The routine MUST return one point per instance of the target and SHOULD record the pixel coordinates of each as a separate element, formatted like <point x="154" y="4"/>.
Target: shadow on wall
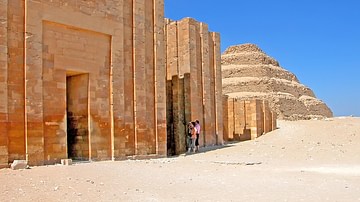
<point x="177" y="114"/>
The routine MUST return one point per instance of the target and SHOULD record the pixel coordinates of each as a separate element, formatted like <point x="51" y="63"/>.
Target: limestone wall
<point x="119" y="46"/>
<point x="193" y="82"/>
<point x="247" y="119"/>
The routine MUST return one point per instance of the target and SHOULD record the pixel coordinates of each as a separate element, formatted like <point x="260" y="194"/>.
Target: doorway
<point x="77" y="105"/>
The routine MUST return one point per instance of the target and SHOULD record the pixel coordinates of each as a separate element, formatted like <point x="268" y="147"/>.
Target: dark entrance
<point x="77" y="107"/>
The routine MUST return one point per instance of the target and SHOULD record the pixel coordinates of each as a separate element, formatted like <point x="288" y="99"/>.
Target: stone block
<point x="4" y="156"/>
<point x="66" y="162"/>
<point x="18" y="164"/>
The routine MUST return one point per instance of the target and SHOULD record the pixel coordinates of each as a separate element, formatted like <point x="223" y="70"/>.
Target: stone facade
<point x="85" y="81"/>
<point x="194" y="89"/>
<point x="247" y="119"/>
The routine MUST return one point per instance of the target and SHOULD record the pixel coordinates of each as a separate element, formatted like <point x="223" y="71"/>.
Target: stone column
<point x="123" y="84"/>
<point x="231" y="119"/>
<point x="254" y="117"/>
<point x="184" y="61"/>
<point x="144" y="77"/>
<point x="160" y="77"/>
<point x="260" y="117"/>
<point x="208" y="122"/>
<point x="139" y="74"/>
<point x="226" y="118"/>
<point x="118" y="79"/>
<point x="171" y="72"/>
<point x="267" y="117"/>
<point x="218" y="87"/>
<point x="128" y="135"/>
<point x="150" y="76"/>
<point x="211" y="137"/>
<point x="3" y="83"/>
<point x="274" y="121"/>
<point x="238" y="119"/>
<point x="178" y="98"/>
<point x="16" y="89"/>
<point x="34" y="85"/>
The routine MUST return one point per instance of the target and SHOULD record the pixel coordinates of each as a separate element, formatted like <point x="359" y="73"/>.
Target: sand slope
<point x="315" y="160"/>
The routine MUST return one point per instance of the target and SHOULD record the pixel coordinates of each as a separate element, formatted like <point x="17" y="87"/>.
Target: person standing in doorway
<point x="198" y="128"/>
<point x="189" y="134"/>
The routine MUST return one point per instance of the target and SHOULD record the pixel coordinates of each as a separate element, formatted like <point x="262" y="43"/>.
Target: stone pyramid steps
<point x="249" y="73"/>
<point x="231" y="71"/>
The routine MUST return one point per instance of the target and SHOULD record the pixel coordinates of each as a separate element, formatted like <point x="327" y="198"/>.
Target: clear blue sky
<point x="317" y="40"/>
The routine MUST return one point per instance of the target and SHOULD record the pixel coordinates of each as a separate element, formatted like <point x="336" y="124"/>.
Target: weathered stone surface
<point x="18" y="164"/>
<point x="248" y="73"/>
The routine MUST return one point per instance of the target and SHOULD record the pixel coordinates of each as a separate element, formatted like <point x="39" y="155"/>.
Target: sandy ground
<point x="316" y="160"/>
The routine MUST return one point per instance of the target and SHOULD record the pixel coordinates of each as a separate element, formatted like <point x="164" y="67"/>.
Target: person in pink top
<point x="198" y="128"/>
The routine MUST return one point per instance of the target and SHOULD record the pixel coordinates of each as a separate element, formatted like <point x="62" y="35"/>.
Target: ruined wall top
<point x="246" y="54"/>
<point x="248" y="47"/>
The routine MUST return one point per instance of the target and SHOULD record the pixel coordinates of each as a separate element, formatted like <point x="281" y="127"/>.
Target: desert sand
<point x="313" y="160"/>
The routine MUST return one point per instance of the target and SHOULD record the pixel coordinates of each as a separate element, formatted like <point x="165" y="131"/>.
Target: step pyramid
<point x="249" y="73"/>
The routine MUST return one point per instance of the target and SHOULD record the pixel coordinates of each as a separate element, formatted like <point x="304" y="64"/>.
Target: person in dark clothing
<point x="188" y="138"/>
